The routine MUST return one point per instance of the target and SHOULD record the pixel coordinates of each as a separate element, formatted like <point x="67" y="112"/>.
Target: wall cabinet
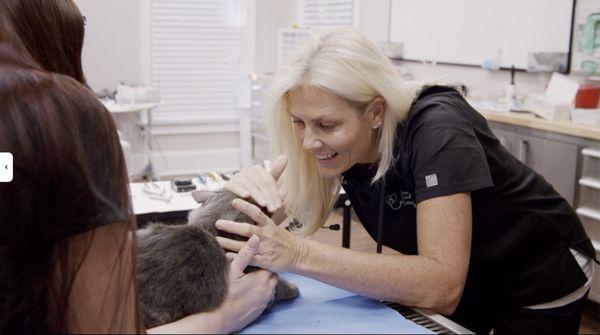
<point x="571" y="164"/>
<point x="555" y="160"/>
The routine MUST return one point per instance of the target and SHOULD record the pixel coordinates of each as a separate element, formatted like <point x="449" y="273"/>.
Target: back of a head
<point x="69" y="178"/>
<point x="52" y="31"/>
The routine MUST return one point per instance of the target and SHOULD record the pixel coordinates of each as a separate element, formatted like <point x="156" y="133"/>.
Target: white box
<point x="548" y="109"/>
<point x="588" y="117"/>
<point x="556" y="102"/>
<point x="6" y="167"/>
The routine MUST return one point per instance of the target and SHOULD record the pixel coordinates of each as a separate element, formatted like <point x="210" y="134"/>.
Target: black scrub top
<point x="522" y="228"/>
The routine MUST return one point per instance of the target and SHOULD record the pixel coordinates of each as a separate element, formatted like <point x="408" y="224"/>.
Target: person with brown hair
<point x="65" y="249"/>
<point x="52" y="31"/>
<point x="67" y="231"/>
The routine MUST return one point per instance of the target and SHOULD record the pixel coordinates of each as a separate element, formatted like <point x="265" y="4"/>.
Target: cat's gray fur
<point x="182" y="270"/>
<point x="217" y="205"/>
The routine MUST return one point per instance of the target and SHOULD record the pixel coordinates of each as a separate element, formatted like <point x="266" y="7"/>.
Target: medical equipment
<point x="214" y="176"/>
<point x="511" y="89"/>
<point x="156" y="192"/>
<point x="183" y="185"/>
<point x="547" y="61"/>
<point x="128" y="93"/>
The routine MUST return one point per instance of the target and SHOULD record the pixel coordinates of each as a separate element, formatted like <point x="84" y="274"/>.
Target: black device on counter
<point x="183" y="185"/>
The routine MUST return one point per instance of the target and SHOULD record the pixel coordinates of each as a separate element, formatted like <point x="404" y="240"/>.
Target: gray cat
<point x="182" y="270"/>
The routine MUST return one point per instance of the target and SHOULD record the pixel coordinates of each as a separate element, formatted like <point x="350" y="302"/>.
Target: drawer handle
<point x="590" y="182"/>
<point x="591" y="152"/>
<point x="589" y="213"/>
<point x="523" y="151"/>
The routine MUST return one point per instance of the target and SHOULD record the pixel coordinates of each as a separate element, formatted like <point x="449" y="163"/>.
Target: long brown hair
<point x="69" y="179"/>
<point x="52" y="31"/>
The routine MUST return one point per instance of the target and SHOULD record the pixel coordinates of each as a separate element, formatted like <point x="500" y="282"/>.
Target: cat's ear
<point x="202" y="196"/>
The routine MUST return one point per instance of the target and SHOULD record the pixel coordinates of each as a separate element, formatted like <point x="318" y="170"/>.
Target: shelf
<point x="589" y="213"/>
<point x="591" y="152"/>
<point x="590" y="182"/>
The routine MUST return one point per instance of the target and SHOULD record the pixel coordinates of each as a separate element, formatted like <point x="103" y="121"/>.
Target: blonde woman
<point x="482" y="238"/>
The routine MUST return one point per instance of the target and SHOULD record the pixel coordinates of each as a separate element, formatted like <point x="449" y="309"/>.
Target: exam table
<point x="325" y="309"/>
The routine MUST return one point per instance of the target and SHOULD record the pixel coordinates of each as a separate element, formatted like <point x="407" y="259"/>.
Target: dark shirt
<point x="522" y="228"/>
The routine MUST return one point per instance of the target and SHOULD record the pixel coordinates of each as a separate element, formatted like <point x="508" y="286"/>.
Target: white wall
<point x="480" y="83"/>
<point x="116" y="48"/>
<point x="373" y="19"/>
<point x="374" y="22"/>
<point x="271" y="15"/>
<point x="111" y="50"/>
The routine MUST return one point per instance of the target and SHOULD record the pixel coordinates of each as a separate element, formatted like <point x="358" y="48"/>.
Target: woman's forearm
<point x="417" y="281"/>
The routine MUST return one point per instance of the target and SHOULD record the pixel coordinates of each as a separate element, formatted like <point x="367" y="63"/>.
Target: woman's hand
<point x="256" y="183"/>
<point x="249" y="293"/>
<point x="278" y="251"/>
<point x="247" y="297"/>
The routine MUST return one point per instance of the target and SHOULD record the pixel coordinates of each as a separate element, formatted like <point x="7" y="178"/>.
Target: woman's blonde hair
<point x="344" y="62"/>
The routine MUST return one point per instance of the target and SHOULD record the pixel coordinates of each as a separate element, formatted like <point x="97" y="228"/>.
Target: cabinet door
<point x="507" y="139"/>
<point x="555" y="161"/>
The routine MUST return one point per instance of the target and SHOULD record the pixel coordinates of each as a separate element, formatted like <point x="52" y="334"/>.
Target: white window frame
<point x="327" y="23"/>
<point x="248" y="58"/>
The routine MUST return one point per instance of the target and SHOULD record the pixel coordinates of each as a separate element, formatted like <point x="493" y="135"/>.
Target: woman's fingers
<point x="238" y="228"/>
<point x="243" y="258"/>
<point x="256" y="183"/>
<point x="248" y="183"/>
<point x="269" y="187"/>
<point x="230" y="256"/>
<point x="274" y="278"/>
<point x="277" y="166"/>
<point x="229" y="244"/>
<point x="237" y="189"/>
<point x="252" y="211"/>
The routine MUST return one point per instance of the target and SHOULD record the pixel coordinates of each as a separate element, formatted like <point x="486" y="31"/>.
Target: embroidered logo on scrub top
<point x="397" y="201"/>
<point x="431" y="180"/>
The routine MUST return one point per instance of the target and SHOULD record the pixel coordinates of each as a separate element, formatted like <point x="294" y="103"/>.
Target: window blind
<point x="315" y="15"/>
<point x="289" y="40"/>
<point x="318" y="14"/>
<point x="196" y="56"/>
